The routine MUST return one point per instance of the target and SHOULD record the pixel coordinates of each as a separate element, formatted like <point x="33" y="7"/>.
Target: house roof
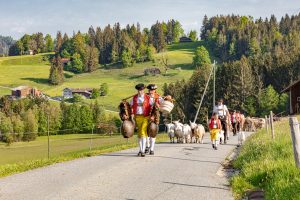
<point x="20" y="88"/>
<point x="87" y="90"/>
<point x="65" y="60"/>
<point x="291" y="85"/>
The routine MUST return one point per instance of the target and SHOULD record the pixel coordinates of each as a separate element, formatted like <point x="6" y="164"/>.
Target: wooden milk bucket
<point x="166" y="107"/>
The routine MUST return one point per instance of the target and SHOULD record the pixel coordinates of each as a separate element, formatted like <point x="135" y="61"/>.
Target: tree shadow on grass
<point x="66" y="75"/>
<point x="136" y="76"/>
<point x="37" y="80"/>
<point x="183" y="66"/>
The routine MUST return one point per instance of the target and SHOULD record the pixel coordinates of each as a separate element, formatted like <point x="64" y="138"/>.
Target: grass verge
<point x="9" y="169"/>
<point x="268" y="164"/>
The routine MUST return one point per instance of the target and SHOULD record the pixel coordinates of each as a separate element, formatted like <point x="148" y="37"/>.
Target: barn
<point x="294" y="92"/>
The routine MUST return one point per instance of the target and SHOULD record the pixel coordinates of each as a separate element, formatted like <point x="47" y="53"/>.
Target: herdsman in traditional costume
<point x="141" y="108"/>
<point x="155" y="100"/>
<point x="223" y="115"/>
<point x="215" y="128"/>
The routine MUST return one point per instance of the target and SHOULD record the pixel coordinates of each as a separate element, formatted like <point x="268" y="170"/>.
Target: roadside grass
<point x="13" y="168"/>
<point x="268" y="165"/>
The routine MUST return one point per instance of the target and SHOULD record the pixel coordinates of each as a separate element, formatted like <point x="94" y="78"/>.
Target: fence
<point x="54" y="144"/>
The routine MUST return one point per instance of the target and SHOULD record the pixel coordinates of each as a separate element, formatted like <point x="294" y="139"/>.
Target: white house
<point x="85" y="92"/>
<point x="67" y="93"/>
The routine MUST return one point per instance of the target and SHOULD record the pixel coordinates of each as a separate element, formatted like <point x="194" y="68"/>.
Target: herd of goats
<point x="194" y="133"/>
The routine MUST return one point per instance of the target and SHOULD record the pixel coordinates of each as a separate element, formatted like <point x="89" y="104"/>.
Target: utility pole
<point x="210" y="74"/>
<point x="214" y="94"/>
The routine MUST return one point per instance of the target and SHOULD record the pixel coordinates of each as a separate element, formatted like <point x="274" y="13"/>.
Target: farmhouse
<point x="24" y="91"/>
<point x="294" y="92"/>
<point x="69" y="92"/>
<point x="152" y="71"/>
<point x="185" y="39"/>
<point x="65" y="61"/>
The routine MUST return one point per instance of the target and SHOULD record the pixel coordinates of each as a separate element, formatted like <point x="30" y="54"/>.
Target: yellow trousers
<point x="142" y="125"/>
<point x="214" y="134"/>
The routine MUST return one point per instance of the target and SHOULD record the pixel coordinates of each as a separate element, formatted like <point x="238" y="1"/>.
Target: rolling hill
<point x="34" y="71"/>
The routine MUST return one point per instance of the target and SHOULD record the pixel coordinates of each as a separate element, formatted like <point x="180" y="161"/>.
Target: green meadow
<point x="23" y="156"/>
<point x="34" y="71"/>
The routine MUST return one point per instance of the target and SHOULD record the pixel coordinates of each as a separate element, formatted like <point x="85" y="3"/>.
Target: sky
<point x="49" y="16"/>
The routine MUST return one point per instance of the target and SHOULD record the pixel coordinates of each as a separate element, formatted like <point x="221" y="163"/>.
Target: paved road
<point x="176" y="171"/>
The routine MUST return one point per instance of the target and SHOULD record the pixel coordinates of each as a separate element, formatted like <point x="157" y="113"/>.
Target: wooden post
<point x="272" y="125"/>
<point x="267" y="123"/>
<point x="48" y="136"/>
<point x="295" y="133"/>
<point x="91" y="138"/>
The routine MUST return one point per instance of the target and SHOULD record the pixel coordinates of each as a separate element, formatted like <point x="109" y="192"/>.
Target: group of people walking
<point x="220" y="122"/>
<point x="145" y="110"/>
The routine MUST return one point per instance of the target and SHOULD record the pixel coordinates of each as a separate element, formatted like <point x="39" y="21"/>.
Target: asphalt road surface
<point x="176" y="171"/>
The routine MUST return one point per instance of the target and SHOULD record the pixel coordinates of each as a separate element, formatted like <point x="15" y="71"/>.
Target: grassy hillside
<point x="268" y="165"/>
<point x="34" y="71"/>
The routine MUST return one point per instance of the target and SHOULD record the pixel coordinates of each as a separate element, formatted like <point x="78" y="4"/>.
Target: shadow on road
<point x="173" y="158"/>
<point x="201" y="186"/>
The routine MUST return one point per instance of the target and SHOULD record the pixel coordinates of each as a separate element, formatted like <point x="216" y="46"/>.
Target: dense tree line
<point x="36" y="43"/>
<point x="5" y="44"/>
<point x="111" y="45"/>
<point x="257" y="59"/>
<point x="25" y="119"/>
<point x="270" y="46"/>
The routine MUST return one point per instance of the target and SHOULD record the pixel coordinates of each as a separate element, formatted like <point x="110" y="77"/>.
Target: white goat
<point x="187" y="133"/>
<point x="221" y="136"/>
<point x="241" y="138"/>
<point x="171" y="132"/>
<point x="178" y="131"/>
<point x="198" y="132"/>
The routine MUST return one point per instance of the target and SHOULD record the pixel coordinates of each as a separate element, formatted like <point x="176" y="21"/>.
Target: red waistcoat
<point x="146" y="105"/>
<point x="211" y="124"/>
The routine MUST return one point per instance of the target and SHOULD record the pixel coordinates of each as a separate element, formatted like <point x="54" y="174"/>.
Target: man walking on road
<point x="223" y="114"/>
<point x="141" y="107"/>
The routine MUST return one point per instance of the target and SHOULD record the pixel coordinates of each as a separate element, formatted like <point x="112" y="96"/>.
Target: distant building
<point x="25" y="91"/>
<point x="152" y="71"/>
<point x="294" y="92"/>
<point x="69" y="92"/>
<point x="185" y="39"/>
<point x="65" y="61"/>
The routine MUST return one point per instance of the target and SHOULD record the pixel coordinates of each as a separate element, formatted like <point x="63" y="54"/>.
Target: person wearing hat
<point x="155" y="100"/>
<point x="223" y="114"/>
<point x="141" y="107"/>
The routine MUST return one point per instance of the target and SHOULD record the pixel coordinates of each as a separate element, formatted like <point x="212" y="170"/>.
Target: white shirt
<point x="140" y="101"/>
<point x="221" y="110"/>
<point x="152" y="100"/>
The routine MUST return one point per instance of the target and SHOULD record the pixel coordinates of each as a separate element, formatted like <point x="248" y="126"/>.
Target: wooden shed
<point x="294" y="92"/>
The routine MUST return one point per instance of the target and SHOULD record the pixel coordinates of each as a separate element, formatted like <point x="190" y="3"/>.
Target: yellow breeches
<point x="214" y="134"/>
<point x="142" y="125"/>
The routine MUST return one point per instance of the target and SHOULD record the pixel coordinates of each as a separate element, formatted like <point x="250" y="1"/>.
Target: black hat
<point x="140" y="86"/>
<point x="151" y="87"/>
